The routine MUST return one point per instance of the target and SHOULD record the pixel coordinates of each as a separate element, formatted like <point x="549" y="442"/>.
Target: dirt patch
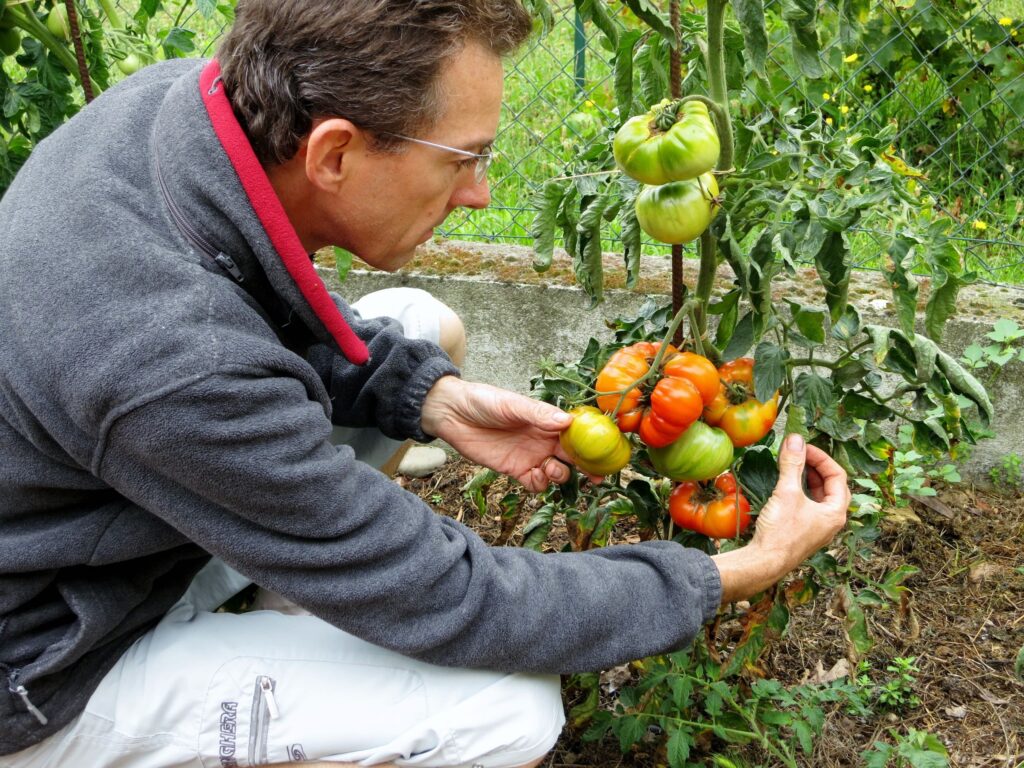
<point x="964" y="624"/>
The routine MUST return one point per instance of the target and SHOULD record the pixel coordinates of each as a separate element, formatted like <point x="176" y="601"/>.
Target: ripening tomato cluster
<point x="671" y="150"/>
<point x="691" y="416"/>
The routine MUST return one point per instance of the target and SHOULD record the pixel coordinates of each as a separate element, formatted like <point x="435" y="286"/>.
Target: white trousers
<point x="221" y="690"/>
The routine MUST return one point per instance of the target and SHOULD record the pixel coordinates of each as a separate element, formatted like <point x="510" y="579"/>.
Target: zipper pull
<point x="228" y="265"/>
<point x="267" y="685"/>
<point x="23" y="693"/>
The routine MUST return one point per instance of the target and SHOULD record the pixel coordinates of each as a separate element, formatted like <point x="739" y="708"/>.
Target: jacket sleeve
<point x="386" y="392"/>
<point x="240" y="463"/>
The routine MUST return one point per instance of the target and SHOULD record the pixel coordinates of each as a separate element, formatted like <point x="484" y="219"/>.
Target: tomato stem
<point x="655" y="366"/>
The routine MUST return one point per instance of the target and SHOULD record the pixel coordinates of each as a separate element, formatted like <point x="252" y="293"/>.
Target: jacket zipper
<point x="22" y="692"/>
<point x="224" y="261"/>
<point x="264" y="709"/>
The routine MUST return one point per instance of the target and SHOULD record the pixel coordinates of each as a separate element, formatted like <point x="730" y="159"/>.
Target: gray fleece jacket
<point x="170" y="367"/>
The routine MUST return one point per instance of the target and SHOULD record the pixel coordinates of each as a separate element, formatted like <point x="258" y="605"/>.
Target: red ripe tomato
<point x="717" y="509"/>
<point x="661" y="412"/>
<point x="735" y="409"/>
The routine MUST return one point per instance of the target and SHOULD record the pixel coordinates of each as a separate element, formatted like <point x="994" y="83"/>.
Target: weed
<point x="1008" y="474"/>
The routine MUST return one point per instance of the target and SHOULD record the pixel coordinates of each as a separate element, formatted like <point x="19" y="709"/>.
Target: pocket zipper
<point x="264" y="709"/>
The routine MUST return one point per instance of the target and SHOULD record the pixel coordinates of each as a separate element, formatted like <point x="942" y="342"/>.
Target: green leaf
<point x="810" y="322"/>
<point x="649" y="13"/>
<point x="630" y="730"/>
<point x="596" y="11"/>
<point x="947" y="278"/>
<point x="796" y="420"/>
<point x="741" y="340"/>
<point x="769" y="370"/>
<point x="964" y="382"/>
<point x="750" y="15"/>
<point x="588" y="262"/>
<point x="858" y="406"/>
<point x="757" y="473"/>
<point x="848" y="324"/>
<point x="833" y="262"/>
<point x="814" y="393"/>
<point x="632" y="240"/>
<point x="179" y="42"/>
<point x="1018" y="665"/>
<point x="546" y="204"/>
<point x="903" y="283"/>
<point x="342" y="263"/>
<point x="678" y="747"/>
<point x="207" y="8"/>
<point x="536" y="531"/>
<point x="801" y="15"/>
<point x="624" y="72"/>
<point x="540" y="10"/>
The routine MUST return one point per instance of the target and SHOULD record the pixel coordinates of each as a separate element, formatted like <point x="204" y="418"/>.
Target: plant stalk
<point x="26" y="19"/>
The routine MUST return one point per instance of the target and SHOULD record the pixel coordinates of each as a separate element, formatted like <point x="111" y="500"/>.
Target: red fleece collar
<point x="272" y="215"/>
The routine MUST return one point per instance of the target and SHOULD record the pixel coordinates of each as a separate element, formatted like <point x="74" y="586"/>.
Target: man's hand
<point x="792" y="526"/>
<point x="499" y="429"/>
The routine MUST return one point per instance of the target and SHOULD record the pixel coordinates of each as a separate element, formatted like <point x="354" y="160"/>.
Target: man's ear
<point x="332" y="148"/>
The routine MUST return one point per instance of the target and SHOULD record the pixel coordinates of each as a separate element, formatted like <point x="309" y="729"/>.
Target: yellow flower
<point x="828" y="121"/>
<point x="844" y="109"/>
<point x="1013" y="33"/>
<point x="869" y="88"/>
<point x="1005" y="21"/>
<point x="979" y="225"/>
<point x="588" y="103"/>
<point x="851" y="58"/>
<point x="826" y="96"/>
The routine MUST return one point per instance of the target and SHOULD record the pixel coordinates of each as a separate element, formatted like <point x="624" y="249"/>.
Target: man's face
<point x="394" y="201"/>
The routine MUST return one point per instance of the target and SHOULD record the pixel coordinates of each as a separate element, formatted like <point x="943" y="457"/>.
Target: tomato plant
<point x="674" y="141"/>
<point x="717" y="509"/>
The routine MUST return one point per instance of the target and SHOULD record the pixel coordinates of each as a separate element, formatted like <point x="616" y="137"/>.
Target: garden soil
<point x="963" y="623"/>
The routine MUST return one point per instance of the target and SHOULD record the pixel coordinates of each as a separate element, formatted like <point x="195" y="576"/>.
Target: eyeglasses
<point x="483" y="159"/>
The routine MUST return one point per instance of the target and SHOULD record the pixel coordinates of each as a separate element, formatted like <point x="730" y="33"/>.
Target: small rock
<point x="422" y="460"/>
<point x="959" y="712"/>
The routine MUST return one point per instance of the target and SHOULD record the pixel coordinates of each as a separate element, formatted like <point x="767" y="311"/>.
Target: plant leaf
<point x="769" y="370"/>
<point x="750" y="15"/>
<point x="545" y="204"/>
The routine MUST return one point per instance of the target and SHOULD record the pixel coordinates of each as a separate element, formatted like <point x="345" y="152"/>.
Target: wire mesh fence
<point x="952" y="81"/>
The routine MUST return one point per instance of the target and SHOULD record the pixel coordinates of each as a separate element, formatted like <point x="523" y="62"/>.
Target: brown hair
<point x="374" y="62"/>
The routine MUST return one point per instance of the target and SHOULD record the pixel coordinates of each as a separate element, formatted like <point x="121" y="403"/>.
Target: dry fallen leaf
<point x="983" y="572"/>
<point x="959" y="712"/>
<point x="838" y="671"/>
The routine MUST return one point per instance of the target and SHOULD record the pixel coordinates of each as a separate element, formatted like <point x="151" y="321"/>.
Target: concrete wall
<point x="515" y="318"/>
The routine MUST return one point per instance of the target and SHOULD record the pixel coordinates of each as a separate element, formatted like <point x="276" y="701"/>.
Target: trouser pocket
<point x="262" y="711"/>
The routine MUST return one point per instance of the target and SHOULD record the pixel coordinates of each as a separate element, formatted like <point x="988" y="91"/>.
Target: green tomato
<point x="6" y="19"/>
<point x="594" y="443"/>
<point x="670" y="143"/>
<point x="701" y="452"/>
<point x="58" y="24"/>
<point x="678" y="212"/>
<point x="130" y="64"/>
<point x="583" y="125"/>
<point x="10" y="42"/>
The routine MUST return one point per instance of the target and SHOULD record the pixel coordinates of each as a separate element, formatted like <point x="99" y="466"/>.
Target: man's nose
<point x="472" y="195"/>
